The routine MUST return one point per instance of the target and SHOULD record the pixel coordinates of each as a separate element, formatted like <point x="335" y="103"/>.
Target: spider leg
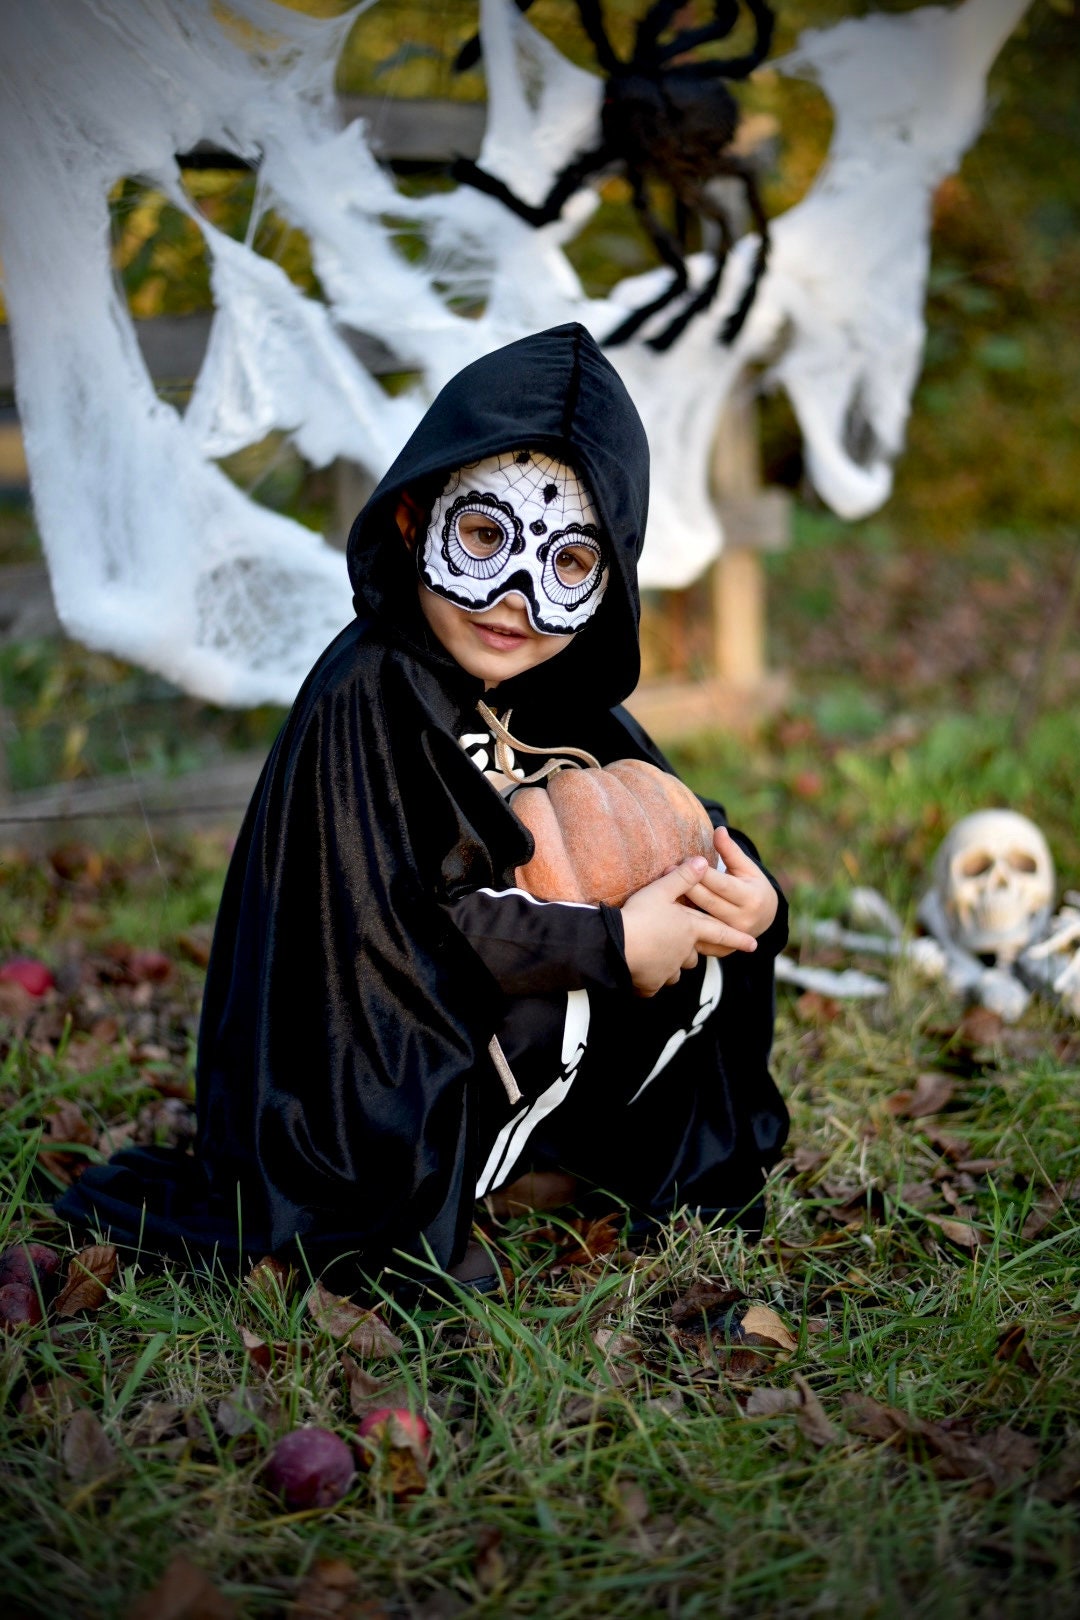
<point x="734" y="323"/>
<point x="668" y="248"/>
<point x="708" y="291"/>
<point x="570" y="180"/>
<point x="735" y="67"/>
<point x="592" y="20"/>
<point x="725" y="16"/>
<point x="652" y="25"/>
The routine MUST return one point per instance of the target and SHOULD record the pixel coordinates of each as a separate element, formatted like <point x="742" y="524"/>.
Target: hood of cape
<point x="552" y="391"/>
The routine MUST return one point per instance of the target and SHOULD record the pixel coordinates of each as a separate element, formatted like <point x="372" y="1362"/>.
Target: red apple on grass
<point x="22" y="1263"/>
<point x="19" y="1306"/>
<point x="34" y="977"/>
<point x="395" y="1444"/>
<point x="310" y="1468"/>
<point x="27" y="1271"/>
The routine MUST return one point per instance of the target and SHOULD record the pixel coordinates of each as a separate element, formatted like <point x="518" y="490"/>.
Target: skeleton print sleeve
<point x="533" y="947"/>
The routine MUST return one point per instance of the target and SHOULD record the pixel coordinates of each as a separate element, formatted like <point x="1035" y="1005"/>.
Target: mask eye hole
<point x="977" y="864"/>
<point x="1021" y="861"/>
<point x="573" y="564"/>
<point x="480" y="535"/>
<point x="572" y="567"/>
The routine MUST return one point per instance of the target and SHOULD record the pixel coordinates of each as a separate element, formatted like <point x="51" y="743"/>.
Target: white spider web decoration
<point x="154" y="554"/>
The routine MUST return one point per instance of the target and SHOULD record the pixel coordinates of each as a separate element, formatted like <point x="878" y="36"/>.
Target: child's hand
<point x="662" y="936"/>
<point x="742" y="896"/>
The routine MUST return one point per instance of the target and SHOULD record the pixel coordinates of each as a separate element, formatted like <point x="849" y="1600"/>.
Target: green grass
<point x="641" y="1488"/>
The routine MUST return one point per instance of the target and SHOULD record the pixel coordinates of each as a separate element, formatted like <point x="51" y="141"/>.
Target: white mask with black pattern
<point x="542" y="508"/>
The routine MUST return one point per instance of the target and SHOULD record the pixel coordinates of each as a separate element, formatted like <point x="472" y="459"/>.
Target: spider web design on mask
<point x="527" y="478"/>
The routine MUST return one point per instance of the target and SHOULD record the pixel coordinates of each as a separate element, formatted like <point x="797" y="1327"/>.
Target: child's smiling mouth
<point x="500" y="637"/>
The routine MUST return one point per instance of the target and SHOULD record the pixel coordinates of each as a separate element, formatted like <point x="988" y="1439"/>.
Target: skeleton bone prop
<point x="992" y="894"/>
<point x="993" y="888"/>
<point x="1052" y="965"/>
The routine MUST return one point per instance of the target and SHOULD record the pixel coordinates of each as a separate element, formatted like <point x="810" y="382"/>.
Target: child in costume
<point x="371" y="940"/>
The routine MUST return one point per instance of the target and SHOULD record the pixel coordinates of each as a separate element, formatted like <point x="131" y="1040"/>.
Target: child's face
<point x="565" y="579"/>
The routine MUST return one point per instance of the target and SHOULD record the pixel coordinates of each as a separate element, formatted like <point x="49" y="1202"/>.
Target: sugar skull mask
<point x="518" y="521"/>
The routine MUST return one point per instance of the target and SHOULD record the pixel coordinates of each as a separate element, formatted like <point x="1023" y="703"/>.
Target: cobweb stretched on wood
<point x="154" y="554"/>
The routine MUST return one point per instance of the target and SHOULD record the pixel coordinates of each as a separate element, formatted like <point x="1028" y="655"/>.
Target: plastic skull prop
<point x="995" y="878"/>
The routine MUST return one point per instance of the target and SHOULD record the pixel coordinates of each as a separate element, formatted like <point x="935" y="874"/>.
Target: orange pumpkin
<point x="602" y="833"/>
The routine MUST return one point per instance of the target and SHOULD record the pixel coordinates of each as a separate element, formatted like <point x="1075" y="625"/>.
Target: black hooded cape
<point x="345" y="1024"/>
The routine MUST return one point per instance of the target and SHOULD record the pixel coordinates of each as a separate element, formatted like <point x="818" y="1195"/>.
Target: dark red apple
<point x="23" y="1262"/>
<point x="310" y="1468"/>
<point x="19" y="1306"/>
<point x="34" y="977"/>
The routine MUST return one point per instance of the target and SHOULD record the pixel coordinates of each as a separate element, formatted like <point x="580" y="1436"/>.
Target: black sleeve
<point x="532" y="947"/>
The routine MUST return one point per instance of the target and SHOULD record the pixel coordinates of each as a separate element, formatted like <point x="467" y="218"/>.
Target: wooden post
<point x="739" y="689"/>
<point x="738" y="576"/>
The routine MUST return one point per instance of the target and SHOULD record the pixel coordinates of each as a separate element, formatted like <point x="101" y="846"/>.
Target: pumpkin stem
<point x="504" y="739"/>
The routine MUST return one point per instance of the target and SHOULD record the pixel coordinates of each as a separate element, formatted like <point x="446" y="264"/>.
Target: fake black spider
<point x="670" y="121"/>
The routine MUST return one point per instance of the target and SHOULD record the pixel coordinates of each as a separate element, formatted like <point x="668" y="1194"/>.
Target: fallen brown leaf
<point x="932" y="1091"/>
<point x="962" y="1233"/>
<point x="240" y="1412"/>
<point x="705" y="1301"/>
<point x="597" y="1238"/>
<point x="87" y="1451"/>
<point x="621" y="1352"/>
<point x="918" y="1194"/>
<point x="953" y="1147"/>
<point x="184" y="1592"/>
<point x="65" y="1124"/>
<point x="155" y="1421"/>
<point x="341" y="1318"/>
<point x="274" y="1356"/>
<point x="1048" y="1206"/>
<point x="271" y="1278"/>
<point x="258" y="1351"/>
<point x="328" y="1590"/>
<point x="89" y="1274"/>
<point x="364" y="1391"/>
<point x="760" y="1325"/>
<point x="811" y="1419"/>
<point x="1013" y="1349"/>
<point x="863" y="1415"/>
<point x="770" y="1402"/>
<point x="997" y="1459"/>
